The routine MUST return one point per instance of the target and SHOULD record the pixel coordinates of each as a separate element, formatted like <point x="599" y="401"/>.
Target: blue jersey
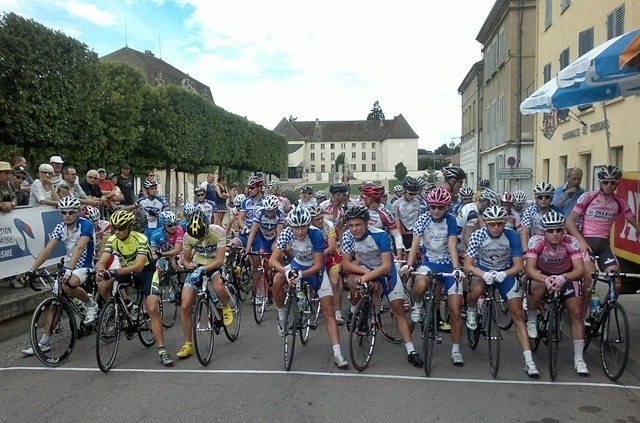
<point x="208" y="207"/>
<point x="266" y="224"/>
<point x="494" y="253"/>
<point x="71" y="236"/>
<point x="367" y="250"/>
<point x="435" y="237"/>
<point x="532" y="217"/>
<point x="152" y="208"/>
<point x="305" y="249"/>
<point x="249" y="206"/>
<point x="164" y="241"/>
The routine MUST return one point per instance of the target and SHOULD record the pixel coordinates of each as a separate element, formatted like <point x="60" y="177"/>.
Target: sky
<point x="268" y="60"/>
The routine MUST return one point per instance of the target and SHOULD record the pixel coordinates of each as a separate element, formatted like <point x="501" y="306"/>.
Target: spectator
<point x="232" y="193"/>
<point x="7" y="193"/>
<point x="16" y="181"/>
<point x="42" y="192"/>
<point x="106" y="186"/>
<point x="125" y="183"/>
<point x="56" y="162"/>
<point x="209" y="187"/>
<point x="69" y="179"/>
<point x="117" y="193"/>
<point x="566" y="197"/>
<point x="90" y="185"/>
<point x="151" y="178"/>
<point x="222" y="195"/>
<point x="19" y="161"/>
<point x="63" y="190"/>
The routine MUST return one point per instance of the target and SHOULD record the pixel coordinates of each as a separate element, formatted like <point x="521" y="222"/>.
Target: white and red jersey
<point x="553" y="260"/>
<point x="332" y="212"/>
<point x="101" y="228"/>
<point x="284" y="205"/>
<point x="598" y="213"/>
<point x="381" y="218"/>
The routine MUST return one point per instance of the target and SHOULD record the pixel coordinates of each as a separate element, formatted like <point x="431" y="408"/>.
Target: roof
<point x="158" y="72"/>
<point x="292" y="148"/>
<point x="337" y="131"/>
<point x="475" y="70"/>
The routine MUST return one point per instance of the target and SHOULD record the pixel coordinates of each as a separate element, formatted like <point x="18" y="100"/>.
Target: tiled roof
<point x="336" y="131"/>
<point x="292" y="148"/>
<point x="157" y="71"/>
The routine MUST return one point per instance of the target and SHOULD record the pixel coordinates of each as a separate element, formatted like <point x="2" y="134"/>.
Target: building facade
<point x="471" y="92"/>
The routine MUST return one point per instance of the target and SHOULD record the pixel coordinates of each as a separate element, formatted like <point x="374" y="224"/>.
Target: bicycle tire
<point x="259" y="295"/>
<point x="534" y="343"/>
<point x="362" y="334"/>
<point x="474" y="336"/>
<point x="290" y="330"/>
<point x="554" y="334"/>
<point x="429" y="334"/>
<point x="493" y="336"/>
<point x="63" y="331"/>
<point x="505" y="317"/>
<point x="316" y="308"/>
<point x="614" y="341"/>
<point x="203" y="330"/>
<point x="168" y="306"/>
<point x="304" y="318"/>
<point x="234" y="302"/>
<point x="108" y="336"/>
<point x="387" y="321"/>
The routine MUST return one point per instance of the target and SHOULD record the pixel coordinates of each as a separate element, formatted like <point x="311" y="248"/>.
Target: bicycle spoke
<point x="614" y="341"/>
<point x="362" y="334"/>
<point x="107" y="336"/>
<point x="290" y="330"/>
<point x="203" y="330"/>
<point x="54" y="318"/>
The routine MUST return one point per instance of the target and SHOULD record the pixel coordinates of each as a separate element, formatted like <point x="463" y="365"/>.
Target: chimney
<point x="381" y="122"/>
<point x="317" y="123"/>
<point x="149" y="53"/>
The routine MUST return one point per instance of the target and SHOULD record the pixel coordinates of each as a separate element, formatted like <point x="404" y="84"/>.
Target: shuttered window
<point x="564" y="58"/>
<point x="615" y="22"/>
<point x="585" y="41"/>
<point x="546" y="73"/>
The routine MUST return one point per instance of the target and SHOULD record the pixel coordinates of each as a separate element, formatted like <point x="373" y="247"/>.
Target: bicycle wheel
<point x="290" y="330"/>
<point x="260" y="295"/>
<point x="535" y="342"/>
<point x="234" y="302"/>
<point x="553" y="335"/>
<point x="362" y="334"/>
<point x="203" y="330"/>
<point x="429" y="334"/>
<point x="614" y="341"/>
<point x="315" y="308"/>
<point x="493" y="336"/>
<point x="168" y="307"/>
<point x="387" y="320"/>
<point x="308" y="315"/>
<point x="143" y="327"/>
<point x="505" y="321"/>
<point x="107" y="336"/>
<point x="55" y="318"/>
<point x="242" y="284"/>
<point x="474" y="335"/>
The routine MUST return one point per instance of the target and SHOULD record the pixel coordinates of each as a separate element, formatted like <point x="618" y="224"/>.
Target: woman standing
<point x="42" y="192"/>
<point x="222" y="195"/>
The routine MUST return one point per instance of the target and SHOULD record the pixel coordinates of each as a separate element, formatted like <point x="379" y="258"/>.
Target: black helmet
<point x="454" y="172"/>
<point x="357" y="212"/>
<point x="198" y="224"/>
<point x="338" y="187"/>
<point x="411" y="184"/>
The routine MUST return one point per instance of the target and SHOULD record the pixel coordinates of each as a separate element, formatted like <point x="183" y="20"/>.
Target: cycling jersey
<point x="598" y="213"/>
<point x="70" y="238"/>
<point x="435" y="237"/>
<point x="101" y="229"/>
<point x="467" y="213"/>
<point x="266" y="224"/>
<point x="328" y="231"/>
<point x="205" y="250"/>
<point x="332" y="212"/>
<point x="309" y="203"/>
<point x="513" y="220"/>
<point x="532" y="217"/>
<point x="552" y="260"/>
<point x="129" y="248"/>
<point x="379" y="217"/>
<point x="152" y="208"/>
<point x="164" y="241"/>
<point x="208" y="207"/>
<point x="406" y="213"/>
<point x="494" y="253"/>
<point x="249" y="206"/>
<point x="303" y="250"/>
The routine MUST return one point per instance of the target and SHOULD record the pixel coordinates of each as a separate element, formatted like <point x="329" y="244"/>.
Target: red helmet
<point x="255" y="180"/>
<point x="506" y="197"/>
<point x="439" y="196"/>
<point x="373" y="191"/>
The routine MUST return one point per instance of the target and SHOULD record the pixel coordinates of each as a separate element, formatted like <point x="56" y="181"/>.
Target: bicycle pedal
<point x="313" y="326"/>
<point x="438" y="338"/>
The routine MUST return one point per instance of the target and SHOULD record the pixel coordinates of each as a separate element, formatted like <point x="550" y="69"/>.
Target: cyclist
<point x="465" y="196"/>
<point x="137" y="267"/>
<point x="436" y="233"/>
<point x="532" y="215"/>
<point x="187" y="211"/>
<point x="471" y="215"/>
<point x="249" y="205"/>
<point x="367" y="254"/>
<point x="273" y="188"/>
<point x="307" y="247"/>
<point x="152" y="204"/>
<point x="398" y="190"/>
<point x="333" y="208"/>
<point x="232" y="223"/>
<point x="554" y="263"/>
<point x="379" y="217"/>
<point x="202" y="203"/>
<point x="166" y="241"/>
<point x="101" y="228"/>
<point x="203" y="254"/>
<point x="494" y="255"/>
<point x="520" y="202"/>
<point x="407" y="209"/>
<point x="306" y="197"/>
<point x="76" y="233"/>
<point x="513" y="219"/>
<point x="320" y="196"/>
<point x="454" y="177"/>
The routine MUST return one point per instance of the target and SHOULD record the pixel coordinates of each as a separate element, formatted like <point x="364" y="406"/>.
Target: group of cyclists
<point x="335" y="243"/>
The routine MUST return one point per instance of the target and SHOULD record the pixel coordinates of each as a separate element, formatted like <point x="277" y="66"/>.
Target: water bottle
<point x="302" y="299"/>
<point x="595" y="305"/>
<point x="481" y="303"/>
<point x="236" y="271"/>
<point x="216" y="301"/>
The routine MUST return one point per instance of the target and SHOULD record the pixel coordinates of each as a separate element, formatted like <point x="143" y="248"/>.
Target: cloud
<point x="90" y="12"/>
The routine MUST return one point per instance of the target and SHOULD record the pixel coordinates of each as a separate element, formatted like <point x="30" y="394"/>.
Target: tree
<point x="376" y="113"/>
<point x="339" y="161"/>
<point x="423" y="163"/>
<point x="422" y="152"/>
<point x="443" y="150"/>
<point x="401" y="171"/>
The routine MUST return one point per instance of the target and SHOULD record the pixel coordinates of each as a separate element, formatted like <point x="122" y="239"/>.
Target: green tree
<point x="423" y="163"/>
<point x="401" y="171"/>
<point x="376" y="112"/>
<point x="339" y="161"/>
<point x="443" y="150"/>
<point x="422" y="152"/>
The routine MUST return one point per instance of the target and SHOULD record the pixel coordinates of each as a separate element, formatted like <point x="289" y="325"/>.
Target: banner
<point x="625" y="238"/>
<point x="23" y="234"/>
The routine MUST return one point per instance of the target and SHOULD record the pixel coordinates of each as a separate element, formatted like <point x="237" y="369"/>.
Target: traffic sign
<point x="515" y="173"/>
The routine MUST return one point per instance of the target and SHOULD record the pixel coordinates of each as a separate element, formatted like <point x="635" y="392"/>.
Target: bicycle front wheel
<point x="493" y="336"/>
<point x="290" y="330"/>
<point x="614" y="341"/>
<point x="534" y="343"/>
<point x="505" y="321"/>
<point x="203" y="330"/>
<point x="362" y="334"/>
<point x="107" y="336"/>
<point x="53" y="317"/>
<point x="168" y="305"/>
<point x="260" y="295"/>
<point x="553" y="335"/>
<point x="387" y="321"/>
<point x="429" y="334"/>
<point x="234" y="302"/>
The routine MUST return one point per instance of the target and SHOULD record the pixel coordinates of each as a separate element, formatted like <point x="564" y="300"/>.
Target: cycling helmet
<point x="429" y="186"/>
<point x="199" y="189"/>
<point x="483" y="183"/>
<point x="506" y="197"/>
<point x="373" y="191"/>
<point x="238" y="199"/>
<point x="494" y="213"/>
<point x="273" y="184"/>
<point x="338" y="187"/>
<point x="150" y="184"/>
<point x="122" y="219"/>
<point x="439" y="196"/>
<point x="489" y="195"/>
<point x="167" y="217"/>
<point x="364" y="184"/>
<point x="357" y="212"/>
<point x="91" y="213"/>
<point x="398" y="188"/>
<point x="299" y="216"/>
<point x="69" y="203"/>
<point x="552" y="220"/>
<point x="421" y="182"/>
<point x="255" y="180"/>
<point x="314" y="210"/>
<point x="198" y="224"/>
<point x="411" y="184"/>
<point x="466" y="192"/>
<point x="321" y="195"/>
<point x="609" y="172"/>
<point x="307" y="188"/>
<point x="188" y="209"/>
<point x="270" y="202"/>
<point x="543" y="188"/>
<point x="519" y="197"/>
<point x="453" y="172"/>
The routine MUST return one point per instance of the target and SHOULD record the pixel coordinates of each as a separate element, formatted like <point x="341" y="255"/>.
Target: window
<point x="322" y="146"/>
<point x="353" y="155"/>
<point x="585" y="41"/>
<point x="364" y="167"/>
<point x="564" y="5"/>
<point x="312" y="146"/>
<point x="364" y="145"/>
<point x="333" y="146"/>
<point x="364" y="155"/>
<point x="353" y="167"/>
<point x="333" y="167"/>
<point x="322" y="168"/>
<point x="373" y="155"/>
<point x="322" y="157"/>
<point x="615" y="22"/>
<point x="545" y="169"/>
<point x="501" y="112"/>
<point x="313" y="168"/>
<point x="333" y="156"/>
<point x="564" y="58"/>
<point x="373" y="145"/>
<point x="373" y="167"/>
<point x="563" y="167"/>
<point x="313" y="156"/>
<point x="548" y="14"/>
<point x="546" y="73"/>
<point x="353" y="145"/>
<point x="343" y="145"/>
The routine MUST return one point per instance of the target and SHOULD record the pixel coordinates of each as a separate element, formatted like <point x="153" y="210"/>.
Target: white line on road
<point x="329" y="374"/>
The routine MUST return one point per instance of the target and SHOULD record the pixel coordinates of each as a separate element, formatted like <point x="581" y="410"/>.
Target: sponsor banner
<point x="23" y="234"/>
<point x="625" y="238"/>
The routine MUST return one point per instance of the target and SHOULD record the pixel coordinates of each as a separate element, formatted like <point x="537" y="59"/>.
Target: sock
<point x="410" y="348"/>
<point x="336" y="350"/>
<point x="578" y="348"/>
<point x="338" y="313"/>
<point x="527" y="356"/>
<point x="417" y="304"/>
<point x="90" y="303"/>
<point x="45" y="339"/>
<point x="281" y="313"/>
<point x="532" y="315"/>
<point x="455" y="348"/>
<point x="161" y="350"/>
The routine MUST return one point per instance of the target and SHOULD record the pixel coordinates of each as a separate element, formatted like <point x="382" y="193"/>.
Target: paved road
<point x="245" y="382"/>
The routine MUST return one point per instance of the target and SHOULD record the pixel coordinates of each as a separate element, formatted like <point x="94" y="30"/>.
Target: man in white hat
<point x="7" y="194"/>
<point x="56" y="162"/>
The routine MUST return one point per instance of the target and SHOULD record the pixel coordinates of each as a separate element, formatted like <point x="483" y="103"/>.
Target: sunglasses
<point x="120" y="228"/>
<point x="437" y="207"/>
<point x="608" y="182"/>
<point x="151" y="174"/>
<point x="554" y="230"/>
<point x="46" y="173"/>
<point x="411" y="193"/>
<point x="92" y="177"/>
<point x="20" y="177"/>
<point x="67" y="212"/>
<point x="170" y="225"/>
<point x="199" y="195"/>
<point x="253" y="187"/>
<point x="543" y="197"/>
<point x="496" y="223"/>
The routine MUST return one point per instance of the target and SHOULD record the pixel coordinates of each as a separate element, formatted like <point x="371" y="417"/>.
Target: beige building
<point x="471" y="92"/>
<point x="565" y="30"/>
